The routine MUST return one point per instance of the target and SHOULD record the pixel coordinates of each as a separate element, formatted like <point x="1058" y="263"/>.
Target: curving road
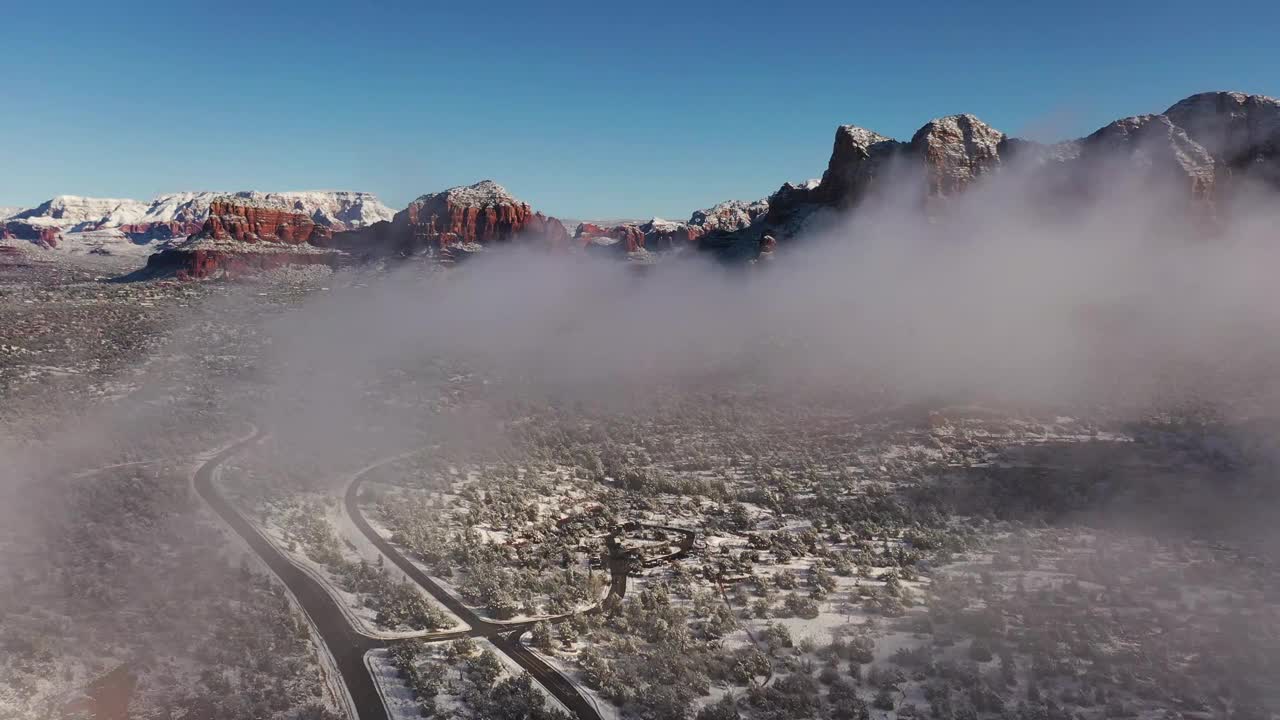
<point x="345" y="644"/>
<point x="348" y="646"/>
<point x="505" y="636"/>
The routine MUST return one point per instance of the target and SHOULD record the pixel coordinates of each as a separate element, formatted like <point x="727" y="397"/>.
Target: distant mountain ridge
<point x="1198" y="153"/>
<point x="85" y="224"/>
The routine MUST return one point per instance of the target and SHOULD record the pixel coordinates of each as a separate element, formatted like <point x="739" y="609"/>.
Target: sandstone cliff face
<point x="1149" y="149"/>
<point x="626" y="238"/>
<point x="43" y="235"/>
<point x="80" y="224"/>
<point x="956" y="151"/>
<point x="859" y="159"/>
<point x="241" y="237"/>
<point x="730" y="216"/>
<point x="482" y="214"/>
<point x="659" y="235"/>
<point x="161" y="230"/>
<point x="202" y="262"/>
<point x="1241" y="132"/>
<point x="247" y="223"/>
<point x="1196" y="152"/>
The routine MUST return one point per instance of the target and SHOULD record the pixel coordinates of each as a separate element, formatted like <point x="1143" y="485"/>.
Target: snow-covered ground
<point x="402" y="704"/>
<point x="361" y="616"/>
<point x="119" y="226"/>
<point x="448" y="587"/>
<point x="565" y="664"/>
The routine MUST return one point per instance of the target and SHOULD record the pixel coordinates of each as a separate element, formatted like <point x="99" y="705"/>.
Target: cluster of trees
<point x="1128" y="643"/>
<point x="1004" y="650"/>
<point x="471" y="675"/>
<point x="397" y="604"/>
<point x="538" y="578"/>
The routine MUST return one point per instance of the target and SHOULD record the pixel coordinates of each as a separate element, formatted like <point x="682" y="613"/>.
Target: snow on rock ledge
<point x="462" y="218"/>
<point x="246" y="235"/>
<point x="65" y="220"/>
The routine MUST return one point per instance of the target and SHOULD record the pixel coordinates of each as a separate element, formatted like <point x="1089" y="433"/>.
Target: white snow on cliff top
<point x="660" y="224"/>
<point x="75" y="213"/>
<point x="72" y="210"/>
<point x="485" y="193"/>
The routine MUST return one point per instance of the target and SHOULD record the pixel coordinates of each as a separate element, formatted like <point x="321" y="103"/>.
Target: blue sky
<point x="584" y="109"/>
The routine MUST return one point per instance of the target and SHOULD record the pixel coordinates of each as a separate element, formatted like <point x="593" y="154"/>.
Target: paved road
<point x="347" y="646"/>
<point x="505" y="636"/>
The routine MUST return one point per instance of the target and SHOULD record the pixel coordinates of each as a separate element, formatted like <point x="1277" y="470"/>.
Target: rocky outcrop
<point x="860" y="158"/>
<point x="483" y="214"/>
<point x="730" y="216"/>
<point x="246" y="236"/>
<point x="261" y="221"/>
<point x="43" y="235"/>
<point x="178" y="215"/>
<point x="199" y="261"/>
<point x="72" y="213"/>
<point x="1241" y="132"/>
<point x="159" y="231"/>
<point x="627" y="238"/>
<point x="1196" y="152"/>
<point x="658" y="235"/>
<point x="1148" y="149"/>
<point x="955" y="151"/>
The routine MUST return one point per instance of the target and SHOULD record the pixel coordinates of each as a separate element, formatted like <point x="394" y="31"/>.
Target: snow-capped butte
<point x="74" y="213"/>
<point x="107" y="225"/>
<point x="485" y="193"/>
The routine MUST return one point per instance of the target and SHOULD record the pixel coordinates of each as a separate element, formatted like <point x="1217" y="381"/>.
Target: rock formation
<point x="90" y="222"/>
<point x="729" y="216"/>
<point x="1196" y="151"/>
<point x="1146" y="149"/>
<point x="1241" y="132"/>
<point x="956" y="151"/>
<point x="43" y="235"/>
<point x="627" y="238"/>
<point x="481" y="215"/>
<point x="244" y="236"/>
<point x="146" y="232"/>
<point x="260" y="221"/>
<point x="664" y="235"/>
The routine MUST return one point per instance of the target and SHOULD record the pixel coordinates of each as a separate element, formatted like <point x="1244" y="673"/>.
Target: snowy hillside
<point x="336" y="209"/>
<point x="77" y="224"/>
<point x="74" y="213"/>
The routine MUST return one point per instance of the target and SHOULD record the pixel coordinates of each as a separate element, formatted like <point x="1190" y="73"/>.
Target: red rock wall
<point x="441" y="223"/>
<point x="145" y="232"/>
<point x="18" y="230"/>
<point x="248" y="223"/>
<point x="630" y="237"/>
<point x="198" y="264"/>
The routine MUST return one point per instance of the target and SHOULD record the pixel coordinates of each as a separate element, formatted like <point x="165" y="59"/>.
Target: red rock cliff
<point x="260" y="223"/>
<point x="481" y="214"/>
<point x="625" y="238"/>
<point x="243" y="238"/>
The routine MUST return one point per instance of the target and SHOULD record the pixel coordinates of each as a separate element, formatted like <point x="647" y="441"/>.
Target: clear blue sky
<point x="584" y="109"/>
